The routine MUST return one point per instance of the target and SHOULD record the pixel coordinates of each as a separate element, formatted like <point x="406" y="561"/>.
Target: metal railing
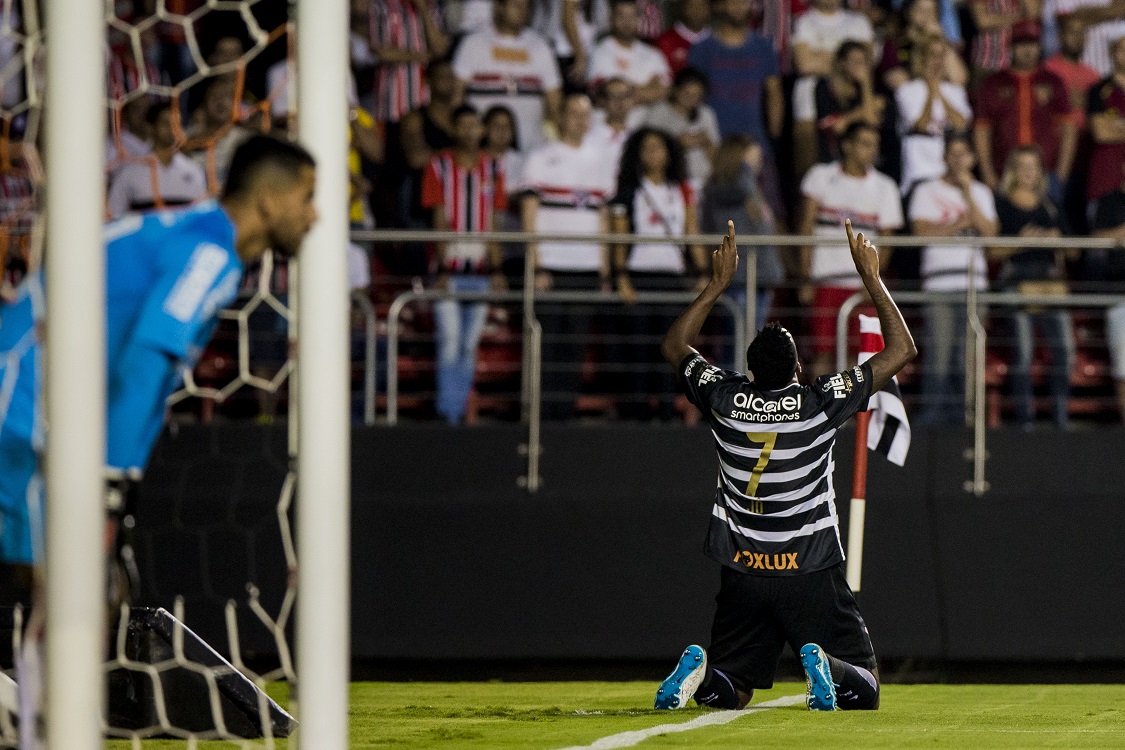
<point x="975" y="385"/>
<point x="744" y="323"/>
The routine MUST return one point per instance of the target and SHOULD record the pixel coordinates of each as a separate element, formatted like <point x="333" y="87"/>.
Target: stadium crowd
<point x="967" y="118"/>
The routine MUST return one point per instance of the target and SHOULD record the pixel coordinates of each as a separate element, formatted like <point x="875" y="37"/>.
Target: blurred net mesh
<point x="177" y="51"/>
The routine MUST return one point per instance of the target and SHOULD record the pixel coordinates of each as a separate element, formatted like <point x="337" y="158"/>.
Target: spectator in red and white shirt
<point x="622" y="54"/>
<point x="1022" y="105"/>
<point x="167" y="178"/>
<point x="513" y="66"/>
<point x="992" y="47"/>
<point x="405" y="36"/>
<point x="847" y="189"/>
<point x="464" y="187"/>
<point x="567" y="193"/>
<point x="695" y="15"/>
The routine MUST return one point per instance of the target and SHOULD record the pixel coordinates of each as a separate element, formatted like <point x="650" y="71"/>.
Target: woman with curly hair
<point x="654" y="199"/>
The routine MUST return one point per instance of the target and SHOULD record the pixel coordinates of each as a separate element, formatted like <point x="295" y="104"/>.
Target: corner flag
<point x="889" y="432"/>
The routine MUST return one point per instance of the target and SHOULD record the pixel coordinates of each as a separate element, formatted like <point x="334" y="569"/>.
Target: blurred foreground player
<point x="774" y="525"/>
<point x="168" y="275"/>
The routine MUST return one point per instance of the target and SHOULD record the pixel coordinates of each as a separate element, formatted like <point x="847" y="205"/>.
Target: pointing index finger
<point x="848" y="227"/>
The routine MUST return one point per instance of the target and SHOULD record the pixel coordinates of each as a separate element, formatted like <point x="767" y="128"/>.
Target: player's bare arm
<point x="724" y="262"/>
<point x="899" y="346"/>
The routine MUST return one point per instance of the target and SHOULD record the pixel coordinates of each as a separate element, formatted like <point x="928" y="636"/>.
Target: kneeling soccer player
<point x="774" y="525"/>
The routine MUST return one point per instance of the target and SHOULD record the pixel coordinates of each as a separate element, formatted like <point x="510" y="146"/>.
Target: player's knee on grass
<point x="718" y="691"/>
<point x="857" y="689"/>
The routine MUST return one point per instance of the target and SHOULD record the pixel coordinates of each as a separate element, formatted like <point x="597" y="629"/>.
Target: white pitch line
<point x="630" y="739"/>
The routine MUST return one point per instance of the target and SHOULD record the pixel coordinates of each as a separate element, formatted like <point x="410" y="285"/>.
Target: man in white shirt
<point x="928" y="107"/>
<point x="822" y="29"/>
<point x="511" y="65"/>
<point x="816" y="36"/>
<point x="623" y="55"/>
<point x="567" y="194"/>
<point x="955" y="204"/>
<point x="132" y="141"/>
<point x="833" y="193"/>
<point x="612" y="125"/>
<point x="164" y="179"/>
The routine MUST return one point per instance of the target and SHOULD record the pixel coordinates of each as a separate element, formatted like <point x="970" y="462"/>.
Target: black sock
<point x="717" y="691"/>
<point x="856" y="688"/>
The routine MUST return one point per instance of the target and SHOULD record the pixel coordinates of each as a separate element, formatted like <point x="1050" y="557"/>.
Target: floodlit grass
<point x="557" y="715"/>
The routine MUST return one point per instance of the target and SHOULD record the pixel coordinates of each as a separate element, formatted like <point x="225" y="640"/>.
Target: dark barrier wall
<point x="453" y="560"/>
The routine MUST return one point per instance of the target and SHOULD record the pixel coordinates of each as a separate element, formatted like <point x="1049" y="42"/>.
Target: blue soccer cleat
<point x="685" y="679"/>
<point x="820" y="693"/>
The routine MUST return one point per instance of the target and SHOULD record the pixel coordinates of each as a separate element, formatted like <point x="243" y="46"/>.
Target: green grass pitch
<point x="564" y="714"/>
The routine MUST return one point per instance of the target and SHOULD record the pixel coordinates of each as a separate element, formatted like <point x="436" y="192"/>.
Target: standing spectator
<point x="1105" y="23"/>
<point x="132" y="137"/>
<point x="1022" y="105"/>
<point x="823" y="28"/>
<point x="464" y="187"/>
<point x="732" y="193"/>
<point x="919" y="20"/>
<point x="612" y="124"/>
<point x="845" y="97"/>
<point x="1067" y="64"/>
<point x="422" y="133"/>
<point x="743" y="71"/>
<point x="502" y="142"/>
<point x="567" y="193"/>
<point x="687" y="117"/>
<point x="1109" y="223"/>
<point x="745" y="85"/>
<point x="405" y="36"/>
<point x="1025" y="210"/>
<point x="691" y="29"/>
<point x="928" y="107"/>
<point x="623" y="55"/>
<point x="994" y="19"/>
<point x="847" y="189"/>
<point x="955" y="204"/>
<point x="570" y="27"/>
<point x="511" y="65"/>
<point x="654" y="199"/>
<point x="817" y="36"/>
<point x="167" y="179"/>
<point x="1105" y="110"/>
<point x="1079" y="78"/>
<point x="215" y="132"/>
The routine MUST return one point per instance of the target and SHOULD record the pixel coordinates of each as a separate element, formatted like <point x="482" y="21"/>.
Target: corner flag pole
<point x="858" y="507"/>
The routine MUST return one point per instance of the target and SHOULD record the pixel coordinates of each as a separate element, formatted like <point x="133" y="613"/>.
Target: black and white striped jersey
<point x="775" y="509"/>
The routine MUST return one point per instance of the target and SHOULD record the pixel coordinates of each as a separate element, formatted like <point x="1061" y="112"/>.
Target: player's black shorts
<point x="757" y="615"/>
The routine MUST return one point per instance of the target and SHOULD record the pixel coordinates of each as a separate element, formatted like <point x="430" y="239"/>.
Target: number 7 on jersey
<point x="767" y="439"/>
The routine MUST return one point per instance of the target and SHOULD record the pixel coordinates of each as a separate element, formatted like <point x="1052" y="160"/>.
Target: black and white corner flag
<point x="889" y="430"/>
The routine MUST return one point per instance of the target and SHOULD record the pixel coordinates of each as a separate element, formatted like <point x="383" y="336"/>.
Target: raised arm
<point x="677" y="342"/>
<point x="898" y="347"/>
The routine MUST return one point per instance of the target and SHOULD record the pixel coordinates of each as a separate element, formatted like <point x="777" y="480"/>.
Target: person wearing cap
<point x="1022" y="105"/>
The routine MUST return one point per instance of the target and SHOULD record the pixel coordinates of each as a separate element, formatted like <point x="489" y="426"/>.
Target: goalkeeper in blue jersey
<point x="168" y="275"/>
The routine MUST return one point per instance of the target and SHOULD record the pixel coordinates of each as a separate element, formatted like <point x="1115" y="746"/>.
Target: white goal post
<point x="323" y="386"/>
<point x="75" y="377"/>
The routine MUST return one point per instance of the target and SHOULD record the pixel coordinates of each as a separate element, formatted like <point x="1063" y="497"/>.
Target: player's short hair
<point x="260" y="154"/>
<point x="772" y="357"/>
